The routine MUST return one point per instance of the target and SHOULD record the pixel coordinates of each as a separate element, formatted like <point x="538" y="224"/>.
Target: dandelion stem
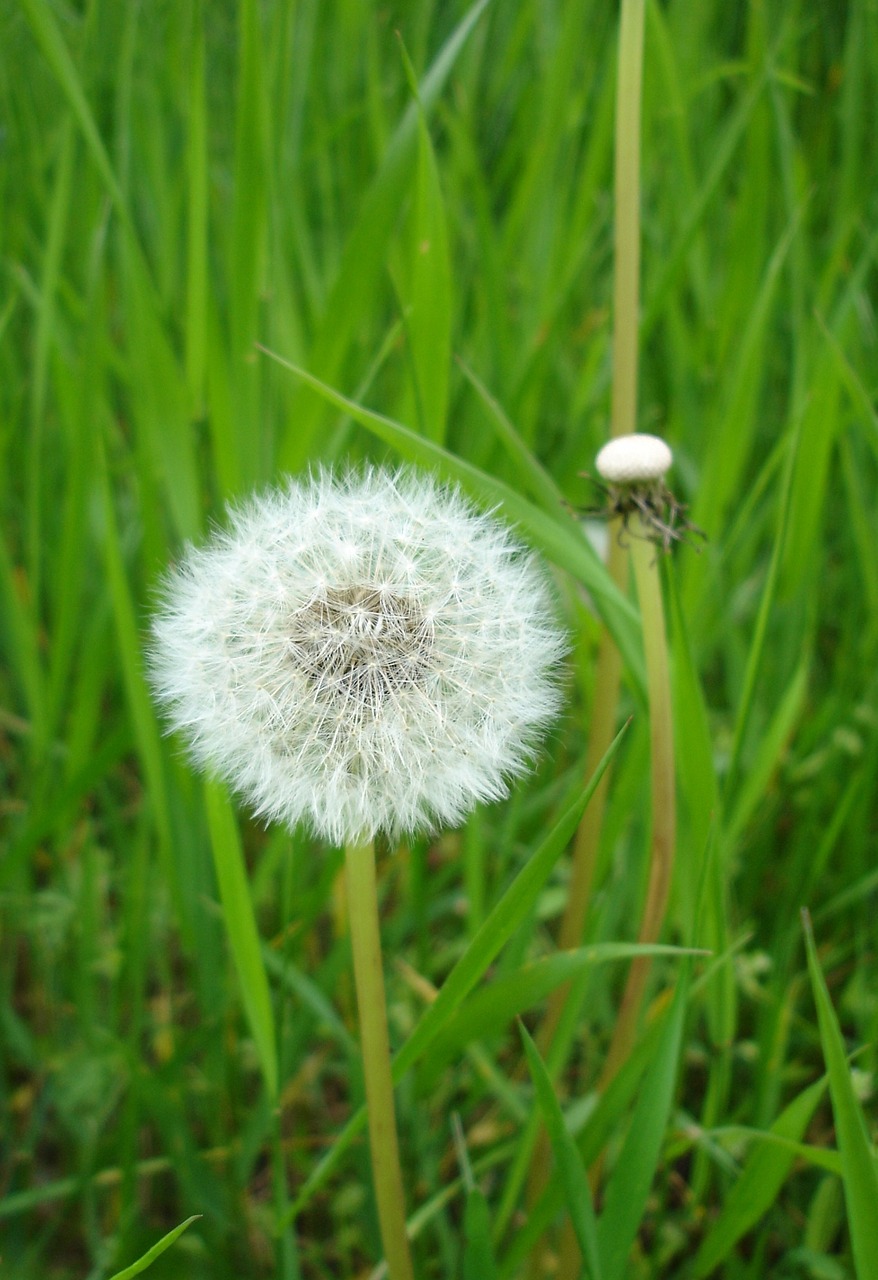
<point x="644" y="557"/>
<point x="369" y="977"/>
<point x="626" y="306"/>
<point x="626" y="181"/>
<point x="626" y="314"/>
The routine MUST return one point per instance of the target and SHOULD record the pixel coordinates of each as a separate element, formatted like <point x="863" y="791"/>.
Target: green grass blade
<point x="197" y="320"/>
<point x="574" y="1177"/>
<point x="430" y="295"/>
<point x="240" y="923"/>
<point x="532" y="473"/>
<point x="478" y="1261"/>
<point x="631" y="1180"/>
<point x="157" y="1249"/>
<point x="773" y="740"/>
<point x="501" y="923"/>
<point x="491" y="1009"/>
<point x="478" y="1251"/>
<point x="724" y="150"/>
<point x="858" y="1163"/>
<point x="57" y="54"/>
<point x="762" y="1177"/>
<point x="365" y="251"/>
<point x="756" y="652"/>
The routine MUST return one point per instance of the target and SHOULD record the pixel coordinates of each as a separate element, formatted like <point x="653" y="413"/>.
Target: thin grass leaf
<point x="574" y="1177"/>
<point x="430" y="295"/>
<point x="145" y="728"/>
<point x="756" y="650"/>
<point x="530" y="470"/>
<point x="478" y="1261"/>
<point x="196" y="226"/>
<point x="764" y="1173"/>
<point x="492" y="1008"/>
<point x="501" y="923"/>
<point x="723" y="153"/>
<point x="478" y="1251"/>
<point x="365" y="250"/>
<point x="858" y="1161"/>
<point x="58" y="56"/>
<point x="773" y="740"/>
<point x="228" y="857"/>
<point x="631" y="1180"/>
<point x="157" y="1249"/>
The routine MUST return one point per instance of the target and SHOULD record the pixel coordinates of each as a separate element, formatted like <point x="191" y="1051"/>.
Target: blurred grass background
<point x="181" y="181"/>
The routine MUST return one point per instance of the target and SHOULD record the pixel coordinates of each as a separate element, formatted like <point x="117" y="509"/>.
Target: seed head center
<point x="363" y="644"/>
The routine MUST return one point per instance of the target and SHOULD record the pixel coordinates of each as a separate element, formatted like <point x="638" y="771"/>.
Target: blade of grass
<point x="858" y="1161"/>
<point x="762" y="1177"/>
<point x="491" y="1009"/>
<point x="364" y="253"/>
<point x="574" y="1177"/>
<point x="478" y="1250"/>
<point x="156" y="1251"/>
<point x="430" y="294"/>
<point x="631" y="1179"/>
<point x="228" y="857"/>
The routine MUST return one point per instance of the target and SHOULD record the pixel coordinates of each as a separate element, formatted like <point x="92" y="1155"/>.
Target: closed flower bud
<point x="634" y="459"/>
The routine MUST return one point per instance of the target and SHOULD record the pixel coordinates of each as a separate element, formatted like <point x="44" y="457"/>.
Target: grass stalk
<point x="626" y="231"/>
<point x="626" y="308"/>
<point x="369" y="979"/>
<point x="644" y="557"/>
<point x="624" y="420"/>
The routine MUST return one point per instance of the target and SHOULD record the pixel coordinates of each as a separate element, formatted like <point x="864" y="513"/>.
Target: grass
<point x="422" y="223"/>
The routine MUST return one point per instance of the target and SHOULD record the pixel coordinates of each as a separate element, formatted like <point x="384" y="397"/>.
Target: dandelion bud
<point x="362" y="654"/>
<point x="634" y="459"/>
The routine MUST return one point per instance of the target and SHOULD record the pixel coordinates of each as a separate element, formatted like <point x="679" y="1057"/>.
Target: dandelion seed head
<point x="362" y="653"/>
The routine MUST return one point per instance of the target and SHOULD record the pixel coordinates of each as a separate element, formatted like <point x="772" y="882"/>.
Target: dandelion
<point x="362" y="654"/>
<point x="634" y="468"/>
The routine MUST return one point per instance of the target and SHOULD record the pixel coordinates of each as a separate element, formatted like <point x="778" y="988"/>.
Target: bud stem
<point x="644" y="558"/>
<point x="369" y="977"/>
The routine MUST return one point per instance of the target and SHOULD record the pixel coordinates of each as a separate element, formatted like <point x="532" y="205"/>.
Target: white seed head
<point x="634" y="459"/>
<point x="362" y="654"/>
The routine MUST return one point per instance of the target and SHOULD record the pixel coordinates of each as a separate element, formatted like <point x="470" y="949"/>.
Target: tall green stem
<point x="644" y="556"/>
<point x="626" y="230"/>
<point x="626" y="307"/>
<point x="369" y="977"/>
<point x="626" y="317"/>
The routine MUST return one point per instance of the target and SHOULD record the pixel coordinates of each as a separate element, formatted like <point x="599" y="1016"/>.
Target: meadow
<point x="243" y="239"/>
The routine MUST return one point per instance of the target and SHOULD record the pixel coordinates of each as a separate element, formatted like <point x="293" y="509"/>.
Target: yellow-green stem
<point x="626" y="230"/>
<point x="365" y="932"/>
<point x="626" y="316"/>
<point x="626" y="308"/>
<point x="585" y="848"/>
<point x="644" y="556"/>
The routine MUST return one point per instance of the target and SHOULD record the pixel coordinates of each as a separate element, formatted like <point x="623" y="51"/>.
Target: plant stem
<point x="644" y="556"/>
<point x="369" y="977"/>
<point x="626" y="308"/>
<point x="626" y="319"/>
<point x="626" y="229"/>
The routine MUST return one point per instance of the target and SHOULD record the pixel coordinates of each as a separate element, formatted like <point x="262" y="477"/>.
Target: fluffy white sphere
<point x="367" y="653"/>
<point x="634" y="459"/>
